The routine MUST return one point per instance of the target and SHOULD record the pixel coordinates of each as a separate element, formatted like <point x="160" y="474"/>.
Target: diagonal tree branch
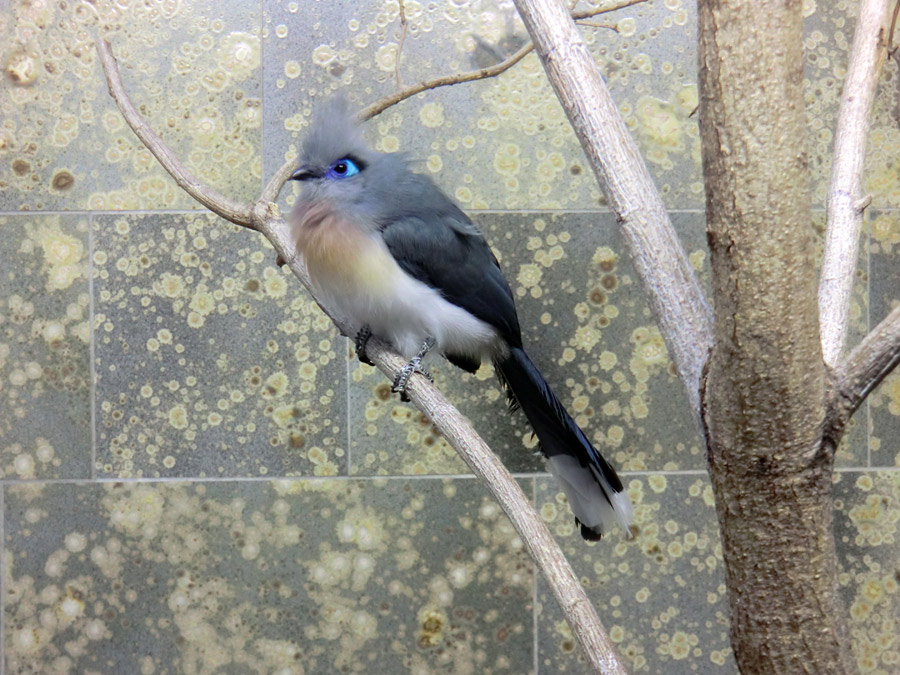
<point x="846" y="203"/>
<point x="264" y="217"/>
<point x="675" y="296"/>
<point x="239" y="214"/>
<point x="867" y="365"/>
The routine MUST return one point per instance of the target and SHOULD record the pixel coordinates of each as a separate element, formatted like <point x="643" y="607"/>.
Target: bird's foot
<point x="402" y="379"/>
<point x="362" y="338"/>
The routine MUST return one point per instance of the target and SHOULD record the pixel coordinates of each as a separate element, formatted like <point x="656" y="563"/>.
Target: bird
<point x="386" y="249"/>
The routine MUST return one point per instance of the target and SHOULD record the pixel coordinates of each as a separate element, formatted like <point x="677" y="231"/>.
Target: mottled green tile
<point x="45" y="332"/>
<point x="499" y="143"/>
<point x="379" y="576"/>
<point x="884" y="401"/>
<point x="866" y="530"/>
<point x="210" y="360"/>
<point x="192" y="69"/>
<point x="587" y="326"/>
<point x="661" y="596"/>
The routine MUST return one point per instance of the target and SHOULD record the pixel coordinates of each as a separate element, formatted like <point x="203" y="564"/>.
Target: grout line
<point x="199" y="209"/>
<point x="347" y="434"/>
<point x="868" y="240"/>
<point x="3" y="589"/>
<point x="92" y="349"/>
<point x="535" y="574"/>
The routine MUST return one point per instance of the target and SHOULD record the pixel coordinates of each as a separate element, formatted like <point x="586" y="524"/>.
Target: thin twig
<point x="404" y="25"/>
<point x="844" y="217"/>
<point x="264" y="217"/>
<point x="383" y="104"/>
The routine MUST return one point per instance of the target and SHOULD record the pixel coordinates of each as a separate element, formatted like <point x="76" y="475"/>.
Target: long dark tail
<point x="592" y="487"/>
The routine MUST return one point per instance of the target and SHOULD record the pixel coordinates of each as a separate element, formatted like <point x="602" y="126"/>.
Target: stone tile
<point x="45" y="332"/>
<point x="586" y="325"/>
<point x="210" y="360"/>
<point x="867" y="515"/>
<point x="884" y="402"/>
<point x="661" y="596"/>
<point x="384" y="577"/>
<point x="192" y="69"/>
<point x="501" y="143"/>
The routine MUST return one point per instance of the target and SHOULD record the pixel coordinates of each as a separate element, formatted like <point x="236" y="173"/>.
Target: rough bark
<point x="765" y="391"/>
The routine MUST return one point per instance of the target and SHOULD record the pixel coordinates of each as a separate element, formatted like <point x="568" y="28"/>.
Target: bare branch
<point x="868" y="364"/>
<point x="383" y="104"/>
<point x="277" y="181"/>
<point x="239" y="214"/>
<point x="404" y="27"/>
<point x="675" y="296"/>
<point x="264" y="217"/>
<point x="845" y="206"/>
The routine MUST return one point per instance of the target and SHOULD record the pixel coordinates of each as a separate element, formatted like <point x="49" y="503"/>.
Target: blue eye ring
<point x="343" y="168"/>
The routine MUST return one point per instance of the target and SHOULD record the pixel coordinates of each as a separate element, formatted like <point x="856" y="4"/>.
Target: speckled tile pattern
<point x="884" y="401"/>
<point x="287" y="577"/>
<point x="210" y="360"/>
<point x="498" y="144"/>
<point x="586" y="324"/>
<point x="45" y="337"/>
<point x="192" y="69"/>
<point x="661" y="596"/>
<point x="142" y="339"/>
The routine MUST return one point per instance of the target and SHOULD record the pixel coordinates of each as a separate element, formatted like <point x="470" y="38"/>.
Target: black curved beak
<point x="304" y="172"/>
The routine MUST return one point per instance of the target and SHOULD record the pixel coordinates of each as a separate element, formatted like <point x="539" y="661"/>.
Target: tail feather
<point x="595" y="493"/>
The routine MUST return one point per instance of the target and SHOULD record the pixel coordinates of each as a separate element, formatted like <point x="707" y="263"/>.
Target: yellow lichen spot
<point x="172" y="285"/>
<point x="178" y="417"/>
<point x="432" y="623"/>
<point x="276" y="385"/>
<point x="605" y="257"/>
<point x="696" y="259"/>
<point x="680" y="645"/>
<point x="660" y="124"/>
<point x="239" y="55"/>
<point x="615" y="435"/>
<point x="386" y="57"/>
<point x="203" y="302"/>
<point x="506" y="159"/>
<point x="886" y="229"/>
<point x="434" y="163"/>
<point x="390" y="143"/>
<point x="608" y="360"/>
<point x="657" y="482"/>
<point x="626" y="27"/>
<point x="529" y="275"/>
<point x="292" y="69"/>
<point x="688" y="98"/>
<point x="432" y="115"/>
<point x="275" y="286"/>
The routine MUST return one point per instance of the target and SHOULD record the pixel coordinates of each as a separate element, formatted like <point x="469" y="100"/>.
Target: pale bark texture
<point x="846" y="201"/>
<point x="672" y="288"/>
<point x="765" y="391"/>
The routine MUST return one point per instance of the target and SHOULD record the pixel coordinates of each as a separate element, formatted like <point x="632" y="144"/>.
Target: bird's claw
<point x="362" y="338"/>
<point x="402" y="379"/>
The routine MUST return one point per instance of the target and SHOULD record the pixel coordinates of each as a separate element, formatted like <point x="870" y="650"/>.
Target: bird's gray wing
<point x="448" y="253"/>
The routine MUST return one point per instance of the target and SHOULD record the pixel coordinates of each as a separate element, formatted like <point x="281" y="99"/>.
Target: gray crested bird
<point x="388" y="250"/>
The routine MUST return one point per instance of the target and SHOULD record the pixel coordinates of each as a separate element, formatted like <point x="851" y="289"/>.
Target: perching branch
<point x="264" y="217"/>
<point x="674" y="293"/>
<point x="846" y="203"/>
<point x="867" y="365"/>
<point x="481" y="74"/>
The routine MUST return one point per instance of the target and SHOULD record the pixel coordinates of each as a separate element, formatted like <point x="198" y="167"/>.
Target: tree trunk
<point x="765" y="390"/>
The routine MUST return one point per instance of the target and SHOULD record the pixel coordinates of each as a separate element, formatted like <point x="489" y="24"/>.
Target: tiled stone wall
<point x="198" y="477"/>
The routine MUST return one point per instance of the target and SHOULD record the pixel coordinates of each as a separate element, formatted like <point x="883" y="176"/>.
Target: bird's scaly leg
<point x="402" y="379"/>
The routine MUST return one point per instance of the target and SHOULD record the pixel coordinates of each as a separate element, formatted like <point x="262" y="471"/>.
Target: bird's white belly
<point x="354" y="273"/>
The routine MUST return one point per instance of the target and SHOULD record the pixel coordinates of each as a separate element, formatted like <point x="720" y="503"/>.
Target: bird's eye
<point x="343" y="168"/>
